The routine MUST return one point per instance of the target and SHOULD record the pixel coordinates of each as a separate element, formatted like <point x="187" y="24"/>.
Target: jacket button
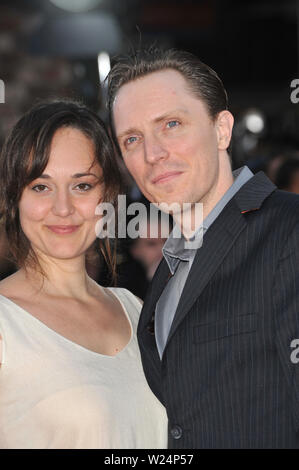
<point x="176" y="432"/>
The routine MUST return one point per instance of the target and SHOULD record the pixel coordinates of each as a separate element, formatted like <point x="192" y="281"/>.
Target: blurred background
<point x="52" y="48"/>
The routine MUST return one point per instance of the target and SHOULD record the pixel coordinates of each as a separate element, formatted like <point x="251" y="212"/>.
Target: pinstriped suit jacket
<point x="226" y="377"/>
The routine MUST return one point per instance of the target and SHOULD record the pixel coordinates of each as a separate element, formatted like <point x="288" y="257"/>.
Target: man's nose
<point x="154" y="149"/>
<point x="62" y="203"/>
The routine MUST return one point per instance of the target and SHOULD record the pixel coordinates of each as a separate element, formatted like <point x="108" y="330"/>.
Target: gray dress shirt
<point x="180" y="259"/>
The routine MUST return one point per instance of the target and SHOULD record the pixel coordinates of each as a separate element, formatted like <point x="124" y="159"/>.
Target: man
<point x="218" y="324"/>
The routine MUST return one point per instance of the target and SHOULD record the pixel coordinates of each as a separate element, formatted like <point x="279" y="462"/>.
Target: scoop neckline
<point x="67" y="340"/>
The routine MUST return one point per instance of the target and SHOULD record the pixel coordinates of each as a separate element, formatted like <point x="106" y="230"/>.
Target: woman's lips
<point x="63" y="229"/>
<point x="164" y="177"/>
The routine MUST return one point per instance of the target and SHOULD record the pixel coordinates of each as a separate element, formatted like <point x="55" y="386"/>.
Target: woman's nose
<point x="62" y="204"/>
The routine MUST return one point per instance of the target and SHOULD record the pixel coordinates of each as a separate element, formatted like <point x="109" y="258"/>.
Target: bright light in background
<point x="76" y="5"/>
<point x="2" y="92"/>
<point x="103" y="65"/>
<point x="254" y="121"/>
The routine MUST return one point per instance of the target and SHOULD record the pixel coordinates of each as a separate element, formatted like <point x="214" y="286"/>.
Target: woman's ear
<point x="224" y="127"/>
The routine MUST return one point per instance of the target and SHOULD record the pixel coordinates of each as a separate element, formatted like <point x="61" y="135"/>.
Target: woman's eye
<point x="173" y="123"/>
<point x="39" y="188"/>
<point x="83" y="187"/>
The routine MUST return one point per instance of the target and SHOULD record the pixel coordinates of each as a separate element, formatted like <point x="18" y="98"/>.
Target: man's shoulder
<point x="260" y="193"/>
<point x="278" y="214"/>
<point x="284" y="203"/>
<point x="285" y="197"/>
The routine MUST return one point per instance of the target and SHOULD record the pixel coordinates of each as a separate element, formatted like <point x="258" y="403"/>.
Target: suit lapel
<point x="157" y="286"/>
<point x="146" y="325"/>
<point x="219" y="240"/>
<point x="217" y="243"/>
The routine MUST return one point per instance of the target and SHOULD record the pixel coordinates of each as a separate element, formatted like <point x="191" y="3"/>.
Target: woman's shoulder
<point x="10" y="285"/>
<point x="15" y="290"/>
<point x="130" y="303"/>
<point x="127" y="294"/>
<point x="8" y="288"/>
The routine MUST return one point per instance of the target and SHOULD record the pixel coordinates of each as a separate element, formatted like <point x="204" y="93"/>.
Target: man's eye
<point x="39" y="188"/>
<point x="173" y="123"/>
<point x="130" y="140"/>
<point x="83" y="187"/>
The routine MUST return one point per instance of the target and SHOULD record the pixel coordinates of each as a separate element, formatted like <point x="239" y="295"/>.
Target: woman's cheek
<point x="87" y="209"/>
<point x="33" y="210"/>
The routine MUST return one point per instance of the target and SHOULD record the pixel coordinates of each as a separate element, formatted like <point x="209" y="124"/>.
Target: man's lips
<point x="166" y="177"/>
<point x="62" y="229"/>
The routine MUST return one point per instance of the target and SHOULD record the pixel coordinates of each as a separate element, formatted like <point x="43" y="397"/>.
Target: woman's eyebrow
<point x="80" y="175"/>
<point x="76" y="175"/>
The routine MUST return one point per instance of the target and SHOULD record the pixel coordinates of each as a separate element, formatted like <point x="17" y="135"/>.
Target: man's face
<point x="169" y="143"/>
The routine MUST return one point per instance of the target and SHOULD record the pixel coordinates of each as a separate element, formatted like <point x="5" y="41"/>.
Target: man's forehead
<point x="169" y="80"/>
<point x="156" y="119"/>
<point x="152" y="98"/>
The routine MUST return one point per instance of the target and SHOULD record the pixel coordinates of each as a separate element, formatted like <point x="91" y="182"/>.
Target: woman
<point x="71" y="375"/>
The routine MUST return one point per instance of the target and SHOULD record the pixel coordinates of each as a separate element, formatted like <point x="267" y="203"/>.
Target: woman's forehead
<point x="71" y="148"/>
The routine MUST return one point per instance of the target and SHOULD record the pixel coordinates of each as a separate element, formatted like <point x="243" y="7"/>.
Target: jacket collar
<point x="252" y="195"/>
<point x="216" y="245"/>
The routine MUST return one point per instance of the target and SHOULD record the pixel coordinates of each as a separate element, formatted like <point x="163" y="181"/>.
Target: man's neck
<point x="190" y="219"/>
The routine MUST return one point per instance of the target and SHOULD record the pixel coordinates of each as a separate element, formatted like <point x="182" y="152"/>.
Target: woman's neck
<point x="63" y="278"/>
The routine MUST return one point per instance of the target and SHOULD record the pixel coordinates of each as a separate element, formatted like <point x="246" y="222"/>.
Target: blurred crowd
<point x="28" y="78"/>
<point x="138" y="258"/>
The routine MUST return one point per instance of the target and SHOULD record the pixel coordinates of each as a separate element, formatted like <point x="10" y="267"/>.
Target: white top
<point x="57" y="394"/>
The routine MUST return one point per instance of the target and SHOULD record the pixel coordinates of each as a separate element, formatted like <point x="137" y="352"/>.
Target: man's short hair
<point x="202" y="81"/>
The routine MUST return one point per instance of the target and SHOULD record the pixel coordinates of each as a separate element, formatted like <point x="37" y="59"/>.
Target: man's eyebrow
<point x="170" y="114"/>
<point x="133" y="130"/>
<point x="76" y="175"/>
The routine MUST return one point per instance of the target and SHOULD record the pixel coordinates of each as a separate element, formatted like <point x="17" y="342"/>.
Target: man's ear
<point x="224" y="125"/>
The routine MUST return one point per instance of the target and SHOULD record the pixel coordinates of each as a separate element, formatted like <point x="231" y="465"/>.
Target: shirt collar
<point x="174" y="249"/>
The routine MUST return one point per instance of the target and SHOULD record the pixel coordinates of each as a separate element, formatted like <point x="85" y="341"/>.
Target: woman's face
<point x="57" y="210"/>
